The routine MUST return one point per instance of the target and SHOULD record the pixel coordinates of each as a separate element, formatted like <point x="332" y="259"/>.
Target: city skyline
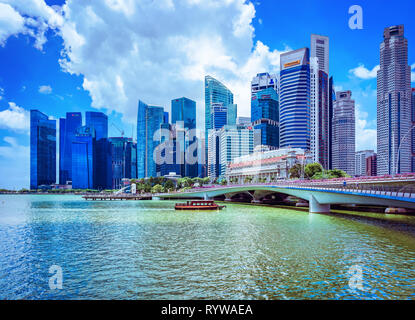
<point x="50" y="91"/>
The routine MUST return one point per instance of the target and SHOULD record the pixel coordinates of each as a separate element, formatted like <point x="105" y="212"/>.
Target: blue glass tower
<point x="218" y="115"/>
<point x="232" y="112"/>
<point x="83" y="156"/>
<point x="265" y="115"/>
<point x="184" y="109"/>
<point x="124" y="159"/>
<point x="67" y="129"/>
<point x="99" y="122"/>
<point x="295" y="99"/>
<point x="42" y="150"/>
<point x="149" y="120"/>
<point x="215" y="92"/>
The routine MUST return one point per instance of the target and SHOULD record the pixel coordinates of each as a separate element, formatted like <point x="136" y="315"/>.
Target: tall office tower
<point x="332" y="99"/>
<point x="413" y="130"/>
<point x="320" y="49"/>
<point x="393" y="103"/>
<point x="371" y="165"/>
<point x="67" y="129"/>
<point x="265" y="108"/>
<point x="165" y="117"/>
<point x="226" y="144"/>
<point x="231" y="114"/>
<point x="319" y="93"/>
<point x="123" y="158"/>
<point x="218" y="115"/>
<point x="361" y="163"/>
<point x="103" y="172"/>
<point x="149" y="120"/>
<point x="42" y="150"/>
<point x="133" y="162"/>
<point x="344" y="133"/>
<point x="295" y="99"/>
<point x="184" y="109"/>
<point x="83" y="158"/>
<point x="215" y="92"/>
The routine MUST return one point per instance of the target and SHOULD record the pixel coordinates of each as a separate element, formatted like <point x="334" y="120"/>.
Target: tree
<point x="205" y="180"/>
<point x="169" y="185"/>
<point x="158" y="188"/>
<point x="295" y="171"/>
<point x="311" y="169"/>
<point x="337" y="173"/>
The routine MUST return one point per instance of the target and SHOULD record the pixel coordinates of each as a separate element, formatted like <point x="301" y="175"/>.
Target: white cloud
<point x="413" y="73"/>
<point x="366" y="136"/>
<point x="45" y="89"/>
<point x="15" y="118"/>
<point x="363" y="73"/>
<point x="11" y="22"/>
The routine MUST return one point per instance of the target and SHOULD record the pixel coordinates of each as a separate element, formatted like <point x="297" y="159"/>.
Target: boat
<point x="198" y="205"/>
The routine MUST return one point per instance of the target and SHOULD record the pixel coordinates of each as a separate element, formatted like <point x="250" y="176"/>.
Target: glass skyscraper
<point x="67" y="130"/>
<point x="124" y="159"/>
<point x="295" y="99"/>
<point x="218" y="115"/>
<point x="393" y="103"/>
<point x="265" y="108"/>
<point x="215" y="92"/>
<point x="42" y="150"/>
<point x="184" y="109"/>
<point x="149" y="120"/>
<point x="99" y="122"/>
<point x="83" y="156"/>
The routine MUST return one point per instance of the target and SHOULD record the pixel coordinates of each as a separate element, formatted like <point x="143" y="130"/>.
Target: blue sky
<point x="106" y="55"/>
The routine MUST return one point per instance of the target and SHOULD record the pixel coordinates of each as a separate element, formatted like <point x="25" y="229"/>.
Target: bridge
<point x="319" y="195"/>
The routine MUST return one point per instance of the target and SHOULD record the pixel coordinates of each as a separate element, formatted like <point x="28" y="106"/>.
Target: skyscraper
<point x="361" y="163"/>
<point x="215" y="92"/>
<point x="265" y="108"/>
<point x="295" y="99"/>
<point x="413" y="130"/>
<point x="83" y="158"/>
<point x="149" y="120"/>
<point x="344" y="132"/>
<point x="98" y="121"/>
<point x="231" y="114"/>
<point x="42" y="150"/>
<point x="67" y="130"/>
<point x="332" y="99"/>
<point x="218" y="115"/>
<point x="393" y="103"/>
<point x="184" y="109"/>
<point x="123" y="158"/>
<point x="319" y="93"/>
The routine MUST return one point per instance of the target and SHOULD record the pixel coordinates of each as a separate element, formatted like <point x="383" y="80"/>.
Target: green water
<point x="147" y="250"/>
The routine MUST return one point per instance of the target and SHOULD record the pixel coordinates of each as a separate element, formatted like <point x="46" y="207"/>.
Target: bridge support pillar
<point x="206" y="196"/>
<point x="316" y="207"/>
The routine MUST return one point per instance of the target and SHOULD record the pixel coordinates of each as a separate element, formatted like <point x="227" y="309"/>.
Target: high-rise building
<point x="231" y="114"/>
<point x="332" y="99"/>
<point x="184" y="109"/>
<point x="344" y="132"/>
<point x="265" y="108"/>
<point x="393" y="103"/>
<point x="215" y="92"/>
<point x="67" y="129"/>
<point x="149" y="120"/>
<point x="83" y="158"/>
<point x="320" y="103"/>
<point x="102" y="163"/>
<point x="320" y="48"/>
<point x="243" y="120"/>
<point x="295" y="99"/>
<point x="413" y="130"/>
<point x="226" y="144"/>
<point x="218" y="115"/>
<point x="42" y="150"/>
<point x="371" y="165"/>
<point x="124" y="159"/>
<point x="361" y="163"/>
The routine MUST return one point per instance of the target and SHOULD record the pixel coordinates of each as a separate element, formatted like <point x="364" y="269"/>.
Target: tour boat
<point x="198" y="205"/>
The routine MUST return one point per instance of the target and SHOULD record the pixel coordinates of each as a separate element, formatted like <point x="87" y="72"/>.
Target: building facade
<point x="124" y="160"/>
<point x="361" y="168"/>
<point x="83" y="158"/>
<point x="226" y="144"/>
<point x="42" y="150"/>
<point x="393" y="103"/>
<point x="184" y="109"/>
<point x="67" y="130"/>
<point x="319" y="48"/>
<point x="371" y="165"/>
<point x="295" y="99"/>
<point x="344" y="132"/>
<point x="266" y="165"/>
<point x="149" y="120"/>
<point x="413" y="130"/>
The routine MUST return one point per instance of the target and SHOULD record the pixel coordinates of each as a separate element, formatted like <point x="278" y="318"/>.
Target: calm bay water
<point x="147" y="250"/>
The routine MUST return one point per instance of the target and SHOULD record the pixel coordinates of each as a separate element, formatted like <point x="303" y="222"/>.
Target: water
<point x="147" y="250"/>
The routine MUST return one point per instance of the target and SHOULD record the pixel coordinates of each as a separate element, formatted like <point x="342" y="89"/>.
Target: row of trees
<point x="315" y="171"/>
<point x="162" y="184"/>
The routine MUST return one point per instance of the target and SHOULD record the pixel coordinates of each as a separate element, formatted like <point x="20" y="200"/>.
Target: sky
<point x="64" y="56"/>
